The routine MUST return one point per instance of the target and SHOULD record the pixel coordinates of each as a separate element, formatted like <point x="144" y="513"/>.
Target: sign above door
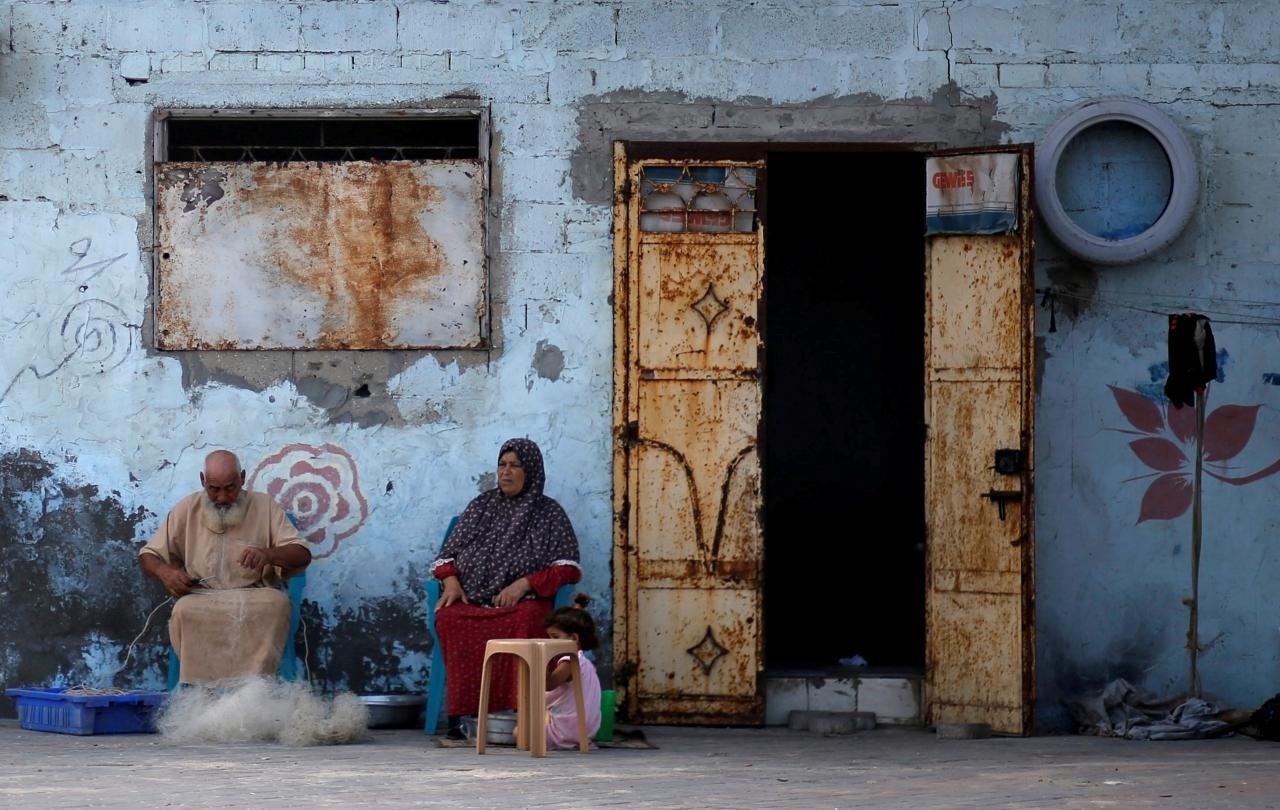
<point x="975" y="193"/>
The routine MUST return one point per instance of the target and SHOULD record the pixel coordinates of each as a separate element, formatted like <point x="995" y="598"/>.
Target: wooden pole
<point x="1193" y="629"/>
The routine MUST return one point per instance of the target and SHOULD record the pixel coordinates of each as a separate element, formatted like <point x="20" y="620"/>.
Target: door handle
<point x="1000" y="497"/>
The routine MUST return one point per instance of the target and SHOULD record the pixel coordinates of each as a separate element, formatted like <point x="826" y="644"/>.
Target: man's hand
<point x="174" y="578"/>
<point x="176" y="581"/>
<point x="256" y="559"/>
<point x="513" y="593"/>
<point x="452" y="593"/>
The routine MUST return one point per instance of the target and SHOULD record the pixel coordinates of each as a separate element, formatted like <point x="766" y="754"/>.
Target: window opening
<point x="249" y="140"/>
<point x="1114" y="180"/>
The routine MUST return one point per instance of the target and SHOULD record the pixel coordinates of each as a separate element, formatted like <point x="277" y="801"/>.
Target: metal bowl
<point x="393" y="711"/>
<point x="500" y="728"/>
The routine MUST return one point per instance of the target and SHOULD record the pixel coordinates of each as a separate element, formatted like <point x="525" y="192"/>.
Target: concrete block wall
<point x="99" y="436"/>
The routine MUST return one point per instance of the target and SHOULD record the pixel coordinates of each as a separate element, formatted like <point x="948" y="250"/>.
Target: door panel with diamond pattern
<point x="698" y="302"/>
<point x="688" y="539"/>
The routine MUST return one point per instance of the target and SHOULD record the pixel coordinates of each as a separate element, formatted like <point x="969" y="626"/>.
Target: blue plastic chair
<point x="289" y="664"/>
<point x="435" y="681"/>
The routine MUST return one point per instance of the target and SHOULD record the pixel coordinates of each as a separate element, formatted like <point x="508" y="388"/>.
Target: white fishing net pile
<point x="262" y="710"/>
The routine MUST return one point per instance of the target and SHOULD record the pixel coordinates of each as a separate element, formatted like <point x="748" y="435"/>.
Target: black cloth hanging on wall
<point x="1193" y="358"/>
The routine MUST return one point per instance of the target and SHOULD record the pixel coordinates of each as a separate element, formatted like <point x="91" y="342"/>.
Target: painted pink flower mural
<point x="320" y="487"/>
<point x="1167" y="446"/>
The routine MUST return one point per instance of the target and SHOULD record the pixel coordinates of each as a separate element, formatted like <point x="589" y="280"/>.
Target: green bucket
<point x="608" y="703"/>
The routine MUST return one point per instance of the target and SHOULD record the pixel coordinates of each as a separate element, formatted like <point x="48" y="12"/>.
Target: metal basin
<point x="394" y="711"/>
<point x="500" y="728"/>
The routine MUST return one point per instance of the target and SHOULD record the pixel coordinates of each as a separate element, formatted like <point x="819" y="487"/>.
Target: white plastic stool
<point x="531" y="708"/>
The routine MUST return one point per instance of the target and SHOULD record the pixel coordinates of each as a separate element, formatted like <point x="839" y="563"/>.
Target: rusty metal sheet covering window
<point x="354" y="255"/>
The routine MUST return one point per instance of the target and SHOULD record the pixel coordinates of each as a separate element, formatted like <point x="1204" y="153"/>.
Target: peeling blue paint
<point x="72" y="591"/>
<point x="1159" y="372"/>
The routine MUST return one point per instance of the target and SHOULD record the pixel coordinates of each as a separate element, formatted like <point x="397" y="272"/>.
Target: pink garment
<point x="562" y="710"/>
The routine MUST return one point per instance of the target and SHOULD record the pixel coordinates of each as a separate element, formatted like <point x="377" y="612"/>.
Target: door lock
<point x="1008" y="462"/>
<point x="1000" y="497"/>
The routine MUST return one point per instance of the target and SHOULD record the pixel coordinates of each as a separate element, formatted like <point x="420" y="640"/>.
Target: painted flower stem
<point x="1270" y="469"/>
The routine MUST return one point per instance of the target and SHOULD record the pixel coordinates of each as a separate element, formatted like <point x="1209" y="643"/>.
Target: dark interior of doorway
<point x="844" y="410"/>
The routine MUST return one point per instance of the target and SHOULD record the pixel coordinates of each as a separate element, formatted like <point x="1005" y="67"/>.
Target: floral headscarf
<point x="500" y="539"/>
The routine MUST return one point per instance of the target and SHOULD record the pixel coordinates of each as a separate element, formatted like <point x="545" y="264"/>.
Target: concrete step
<point x="831" y="722"/>
<point x="895" y="699"/>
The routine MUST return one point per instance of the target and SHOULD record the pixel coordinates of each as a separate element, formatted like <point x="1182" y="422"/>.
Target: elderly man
<point x="221" y="552"/>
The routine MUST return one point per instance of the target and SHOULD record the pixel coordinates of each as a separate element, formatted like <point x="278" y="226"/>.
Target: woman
<point x="499" y="570"/>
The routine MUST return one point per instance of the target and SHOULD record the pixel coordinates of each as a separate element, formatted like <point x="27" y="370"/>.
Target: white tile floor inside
<point x="895" y="700"/>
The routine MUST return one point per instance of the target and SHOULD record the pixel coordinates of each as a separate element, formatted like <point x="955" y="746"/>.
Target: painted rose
<point x="319" y="487"/>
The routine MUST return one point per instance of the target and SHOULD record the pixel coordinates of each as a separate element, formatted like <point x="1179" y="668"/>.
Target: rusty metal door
<point x="688" y="539"/>
<point x="979" y="451"/>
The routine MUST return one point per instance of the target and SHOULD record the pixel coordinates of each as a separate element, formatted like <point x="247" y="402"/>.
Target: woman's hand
<point x="513" y="593"/>
<point x="452" y="593"/>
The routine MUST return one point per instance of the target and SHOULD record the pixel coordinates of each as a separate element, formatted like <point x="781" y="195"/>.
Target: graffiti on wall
<point x="1165" y="444"/>
<point x="320" y="487"/>
<point x="89" y="336"/>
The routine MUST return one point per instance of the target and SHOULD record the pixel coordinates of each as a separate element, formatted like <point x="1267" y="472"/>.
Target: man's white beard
<point x="218" y="519"/>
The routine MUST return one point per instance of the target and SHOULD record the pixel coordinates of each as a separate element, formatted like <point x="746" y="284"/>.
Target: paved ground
<point x="723" y="768"/>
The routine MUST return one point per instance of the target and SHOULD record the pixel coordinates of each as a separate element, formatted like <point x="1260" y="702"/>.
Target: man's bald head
<point x="221" y="463"/>
<point x="222" y="477"/>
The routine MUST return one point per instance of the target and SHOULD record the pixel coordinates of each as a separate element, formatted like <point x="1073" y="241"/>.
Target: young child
<point x="575" y="624"/>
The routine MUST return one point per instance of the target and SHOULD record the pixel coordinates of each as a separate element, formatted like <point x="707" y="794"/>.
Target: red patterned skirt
<point x="464" y="630"/>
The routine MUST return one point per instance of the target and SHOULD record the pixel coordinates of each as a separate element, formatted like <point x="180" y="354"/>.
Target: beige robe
<point x="234" y="624"/>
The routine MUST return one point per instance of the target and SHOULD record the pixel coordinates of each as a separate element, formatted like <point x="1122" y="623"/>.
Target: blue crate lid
<point x="56" y="694"/>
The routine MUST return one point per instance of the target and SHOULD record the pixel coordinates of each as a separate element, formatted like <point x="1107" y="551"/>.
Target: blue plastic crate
<point x="51" y="710"/>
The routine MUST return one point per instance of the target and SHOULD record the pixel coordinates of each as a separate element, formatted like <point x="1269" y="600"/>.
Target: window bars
<point x="244" y="140"/>
<point x="693" y="198"/>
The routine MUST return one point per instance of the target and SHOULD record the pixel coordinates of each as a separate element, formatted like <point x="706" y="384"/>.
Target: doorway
<point x="818" y="428"/>
<point x="843" y="410"/>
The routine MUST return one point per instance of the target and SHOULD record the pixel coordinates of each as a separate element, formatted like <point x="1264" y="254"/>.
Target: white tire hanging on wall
<point x="1182" y="167"/>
